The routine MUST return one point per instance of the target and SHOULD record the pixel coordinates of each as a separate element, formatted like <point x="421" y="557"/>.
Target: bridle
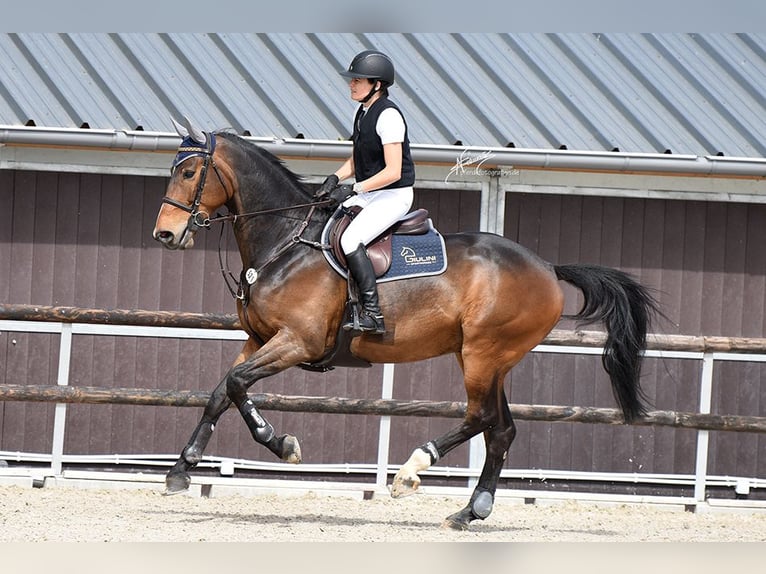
<point x="192" y="148"/>
<point x="199" y="219"/>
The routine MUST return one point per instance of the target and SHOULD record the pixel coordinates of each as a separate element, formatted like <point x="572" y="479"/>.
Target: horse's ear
<point x="182" y="131"/>
<point x="196" y="134"/>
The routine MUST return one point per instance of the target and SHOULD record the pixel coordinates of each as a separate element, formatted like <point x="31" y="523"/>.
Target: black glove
<point x="340" y="194"/>
<point x="327" y="186"/>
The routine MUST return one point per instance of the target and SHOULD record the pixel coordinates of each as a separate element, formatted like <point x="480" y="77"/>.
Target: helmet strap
<point x="373" y="91"/>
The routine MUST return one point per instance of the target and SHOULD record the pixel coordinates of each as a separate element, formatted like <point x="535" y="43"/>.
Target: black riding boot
<point x="370" y="317"/>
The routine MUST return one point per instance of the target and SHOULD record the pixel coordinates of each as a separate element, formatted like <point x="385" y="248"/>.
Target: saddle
<point x="379" y="250"/>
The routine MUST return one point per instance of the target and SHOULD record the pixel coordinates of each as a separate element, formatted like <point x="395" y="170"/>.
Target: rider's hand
<point x="327" y="186"/>
<point x="340" y="194"/>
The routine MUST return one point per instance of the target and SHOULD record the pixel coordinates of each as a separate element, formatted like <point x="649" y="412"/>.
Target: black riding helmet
<point x="373" y="65"/>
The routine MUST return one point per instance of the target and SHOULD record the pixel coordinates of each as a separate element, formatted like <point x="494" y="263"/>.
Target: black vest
<point x="368" y="149"/>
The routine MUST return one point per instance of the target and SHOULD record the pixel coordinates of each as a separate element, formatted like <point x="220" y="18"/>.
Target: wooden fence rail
<point x="134" y="317"/>
<point x="231" y="322"/>
<point x="391" y="407"/>
<point x="94" y="395"/>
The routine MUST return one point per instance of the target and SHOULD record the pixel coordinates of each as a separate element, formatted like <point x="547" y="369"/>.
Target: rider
<point x="384" y="172"/>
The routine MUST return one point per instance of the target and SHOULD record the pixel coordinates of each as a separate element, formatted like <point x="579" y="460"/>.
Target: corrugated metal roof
<point x="699" y="94"/>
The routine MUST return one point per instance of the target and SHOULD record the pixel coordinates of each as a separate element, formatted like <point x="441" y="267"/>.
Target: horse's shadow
<point x="265" y="518"/>
<point x="269" y="519"/>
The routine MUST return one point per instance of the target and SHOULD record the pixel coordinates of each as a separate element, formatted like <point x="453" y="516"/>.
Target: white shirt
<point x="390" y="127"/>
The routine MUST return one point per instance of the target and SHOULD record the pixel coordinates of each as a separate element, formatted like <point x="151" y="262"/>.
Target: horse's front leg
<point x="277" y="355"/>
<point x="177" y="479"/>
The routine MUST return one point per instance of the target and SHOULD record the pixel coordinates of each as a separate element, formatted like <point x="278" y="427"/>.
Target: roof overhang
<point x="154" y="146"/>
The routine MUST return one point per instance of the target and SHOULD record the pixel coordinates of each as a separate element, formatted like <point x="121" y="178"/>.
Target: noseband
<point x="192" y="148"/>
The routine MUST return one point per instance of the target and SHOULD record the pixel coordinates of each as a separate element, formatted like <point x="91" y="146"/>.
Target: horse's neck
<point x="269" y="188"/>
<point x="262" y="238"/>
<point x="278" y="257"/>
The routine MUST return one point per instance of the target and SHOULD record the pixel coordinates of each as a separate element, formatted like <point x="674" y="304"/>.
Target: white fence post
<point x="59" y="419"/>
<point x="384" y="436"/>
<point x="703" y="436"/>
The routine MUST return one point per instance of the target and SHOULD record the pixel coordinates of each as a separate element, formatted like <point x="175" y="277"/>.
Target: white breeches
<point x="380" y="209"/>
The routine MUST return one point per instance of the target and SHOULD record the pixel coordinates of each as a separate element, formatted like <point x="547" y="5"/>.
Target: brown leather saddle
<point x="379" y="250"/>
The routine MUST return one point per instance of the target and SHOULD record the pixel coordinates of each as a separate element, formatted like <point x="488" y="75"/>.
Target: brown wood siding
<point x="707" y="264"/>
<point x="85" y="240"/>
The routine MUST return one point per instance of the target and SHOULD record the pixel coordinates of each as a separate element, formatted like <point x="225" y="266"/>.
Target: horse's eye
<point x="188" y="174"/>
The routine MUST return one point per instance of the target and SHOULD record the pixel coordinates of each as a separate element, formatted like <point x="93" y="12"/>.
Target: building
<point x="642" y="152"/>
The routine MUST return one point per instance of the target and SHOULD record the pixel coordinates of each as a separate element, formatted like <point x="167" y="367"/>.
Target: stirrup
<point x="365" y="322"/>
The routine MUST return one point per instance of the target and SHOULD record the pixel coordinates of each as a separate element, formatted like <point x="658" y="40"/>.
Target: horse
<point x="495" y="302"/>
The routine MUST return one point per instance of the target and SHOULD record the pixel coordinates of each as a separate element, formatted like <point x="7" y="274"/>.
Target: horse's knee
<point x="236" y="385"/>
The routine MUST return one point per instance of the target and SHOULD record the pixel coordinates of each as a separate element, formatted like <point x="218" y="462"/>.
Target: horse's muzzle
<point x="170" y="240"/>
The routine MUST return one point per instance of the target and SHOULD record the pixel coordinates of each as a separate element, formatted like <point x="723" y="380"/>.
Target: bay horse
<point x="494" y="303"/>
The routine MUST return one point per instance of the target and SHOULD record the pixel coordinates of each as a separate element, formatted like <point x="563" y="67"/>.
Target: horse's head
<point x="193" y="193"/>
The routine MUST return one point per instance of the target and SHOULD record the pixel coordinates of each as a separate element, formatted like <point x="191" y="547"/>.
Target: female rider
<point x="382" y="167"/>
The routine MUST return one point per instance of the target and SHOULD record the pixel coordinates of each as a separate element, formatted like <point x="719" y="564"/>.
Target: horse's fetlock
<point x="430" y="449"/>
<point x="482" y="503"/>
<point x="192" y="456"/>
<point x="264" y="434"/>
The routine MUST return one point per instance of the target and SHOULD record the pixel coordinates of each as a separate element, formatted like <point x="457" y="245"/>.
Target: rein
<point x="234" y="216"/>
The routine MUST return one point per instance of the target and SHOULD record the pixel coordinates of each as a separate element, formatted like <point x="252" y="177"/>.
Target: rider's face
<point x="360" y="87"/>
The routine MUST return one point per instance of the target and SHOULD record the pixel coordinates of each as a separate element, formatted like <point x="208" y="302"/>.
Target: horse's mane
<point x="255" y="153"/>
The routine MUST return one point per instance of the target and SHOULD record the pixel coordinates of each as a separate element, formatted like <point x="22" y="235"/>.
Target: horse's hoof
<point x="291" y="450"/>
<point x="459" y="520"/>
<point x="454" y="525"/>
<point x="404" y="486"/>
<point x="177" y="483"/>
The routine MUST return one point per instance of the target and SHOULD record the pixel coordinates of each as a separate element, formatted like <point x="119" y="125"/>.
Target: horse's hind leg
<point x="178" y="479"/>
<point x="498" y="439"/>
<point x="487" y="411"/>
<point x="476" y="420"/>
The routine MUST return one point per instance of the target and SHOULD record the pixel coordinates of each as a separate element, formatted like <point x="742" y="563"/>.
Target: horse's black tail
<point x="626" y="308"/>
